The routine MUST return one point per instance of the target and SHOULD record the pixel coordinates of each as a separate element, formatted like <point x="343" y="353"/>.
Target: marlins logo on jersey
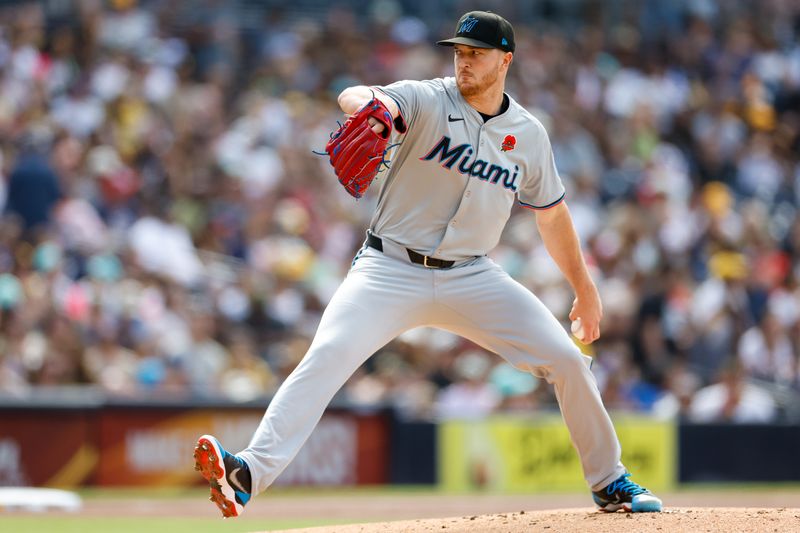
<point x="484" y="170"/>
<point x="455" y="176"/>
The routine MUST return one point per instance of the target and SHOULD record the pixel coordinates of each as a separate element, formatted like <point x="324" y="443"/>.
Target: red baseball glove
<point x="356" y="152"/>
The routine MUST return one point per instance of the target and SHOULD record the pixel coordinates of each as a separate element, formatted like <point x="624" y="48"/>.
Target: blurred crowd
<point x="167" y="232"/>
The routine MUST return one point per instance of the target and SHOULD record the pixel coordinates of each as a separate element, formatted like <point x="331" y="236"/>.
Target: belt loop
<point x="374" y="241"/>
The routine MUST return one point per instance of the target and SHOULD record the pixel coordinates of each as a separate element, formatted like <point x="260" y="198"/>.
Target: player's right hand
<point x="588" y="308"/>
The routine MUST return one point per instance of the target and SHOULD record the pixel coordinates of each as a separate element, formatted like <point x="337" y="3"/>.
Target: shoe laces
<point x="625" y="485"/>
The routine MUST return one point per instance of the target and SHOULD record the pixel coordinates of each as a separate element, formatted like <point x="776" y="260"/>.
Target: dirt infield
<point x="672" y="520"/>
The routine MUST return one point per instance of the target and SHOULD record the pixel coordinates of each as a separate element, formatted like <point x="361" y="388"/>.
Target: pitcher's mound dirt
<point x="671" y="520"/>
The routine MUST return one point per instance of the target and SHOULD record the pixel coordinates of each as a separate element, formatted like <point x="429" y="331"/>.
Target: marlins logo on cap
<point x="467" y="24"/>
<point x="483" y="29"/>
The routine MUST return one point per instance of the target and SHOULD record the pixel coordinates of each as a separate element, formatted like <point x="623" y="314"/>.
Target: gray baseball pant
<point x="384" y="295"/>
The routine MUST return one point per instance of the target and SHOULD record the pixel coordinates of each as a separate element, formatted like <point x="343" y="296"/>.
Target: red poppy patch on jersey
<point x="508" y="143"/>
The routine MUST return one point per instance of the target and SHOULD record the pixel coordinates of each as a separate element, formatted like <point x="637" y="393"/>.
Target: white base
<point x="38" y="500"/>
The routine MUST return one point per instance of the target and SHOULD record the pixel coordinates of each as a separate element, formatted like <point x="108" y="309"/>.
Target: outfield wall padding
<point x="101" y="442"/>
<point x="738" y="452"/>
<point x="151" y="445"/>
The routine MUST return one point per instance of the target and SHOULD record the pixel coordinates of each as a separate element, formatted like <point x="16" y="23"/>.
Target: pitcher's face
<point x="477" y="69"/>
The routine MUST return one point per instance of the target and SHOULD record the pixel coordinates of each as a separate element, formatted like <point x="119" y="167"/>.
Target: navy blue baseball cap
<point x="483" y="29"/>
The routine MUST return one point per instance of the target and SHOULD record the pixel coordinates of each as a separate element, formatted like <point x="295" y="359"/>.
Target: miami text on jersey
<point x="479" y="168"/>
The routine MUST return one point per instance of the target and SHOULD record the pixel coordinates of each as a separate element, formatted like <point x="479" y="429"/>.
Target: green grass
<point x="199" y="492"/>
<point x="68" y="524"/>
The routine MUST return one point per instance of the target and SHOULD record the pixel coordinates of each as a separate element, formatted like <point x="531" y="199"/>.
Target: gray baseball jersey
<point x="452" y="183"/>
<point x="454" y="178"/>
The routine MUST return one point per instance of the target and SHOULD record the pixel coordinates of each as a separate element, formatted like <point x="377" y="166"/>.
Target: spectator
<point x="766" y="353"/>
<point x="732" y="399"/>
<point x="470" y="396"/>
<point x="181" y="229"/>
<point x="33" y="187"/>
<point x="247" y="377"/>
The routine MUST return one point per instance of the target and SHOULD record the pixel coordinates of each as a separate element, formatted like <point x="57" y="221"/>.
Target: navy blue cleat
<point x="228" y="476"/>
<point x="627" y="495"/>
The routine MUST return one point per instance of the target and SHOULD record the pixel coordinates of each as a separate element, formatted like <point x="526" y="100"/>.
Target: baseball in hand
<point x="577" y="329"/>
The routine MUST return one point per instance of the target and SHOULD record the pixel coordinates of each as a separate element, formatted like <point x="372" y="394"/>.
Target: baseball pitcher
<point x="466" y="152"/>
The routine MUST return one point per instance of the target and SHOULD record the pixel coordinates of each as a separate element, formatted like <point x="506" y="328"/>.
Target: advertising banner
<point x="135" y="445"/>
<point x="155" y="446"/>
<point x="536" y="454"/>
<point x="46" y="448"/>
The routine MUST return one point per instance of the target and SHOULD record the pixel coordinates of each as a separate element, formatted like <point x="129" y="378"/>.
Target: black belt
<point x="428" y="262"/>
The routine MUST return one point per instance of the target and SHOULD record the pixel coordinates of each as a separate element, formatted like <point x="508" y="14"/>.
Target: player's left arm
<point x="354" y="98"/>
<point x="561" y="240"/>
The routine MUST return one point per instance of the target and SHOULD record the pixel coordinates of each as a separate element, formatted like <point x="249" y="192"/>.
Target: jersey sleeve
<point x="542" y="187"/>
<point x="411" y="96"/>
